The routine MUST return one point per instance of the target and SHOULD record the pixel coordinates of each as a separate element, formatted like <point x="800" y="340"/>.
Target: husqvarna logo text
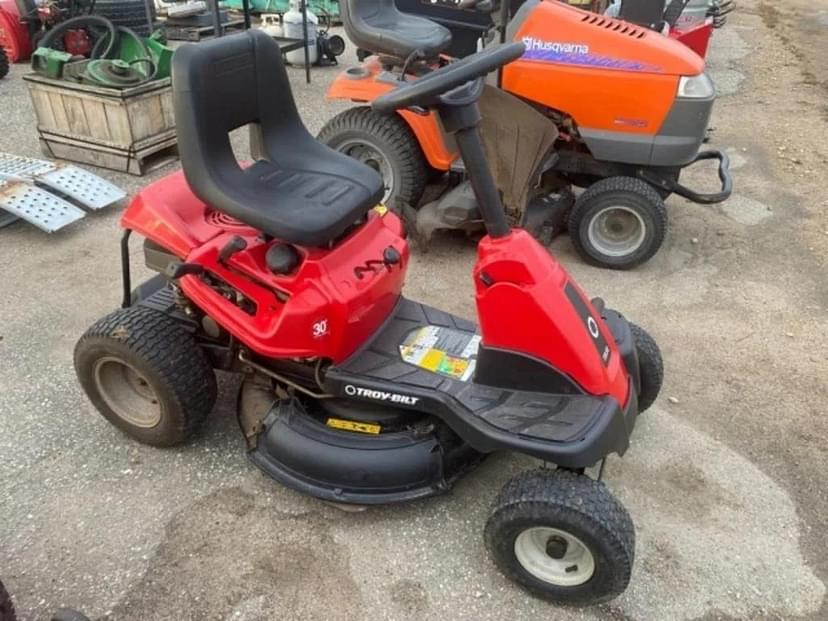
<point x="379" y="395"/>
<point x="538" y="45"/>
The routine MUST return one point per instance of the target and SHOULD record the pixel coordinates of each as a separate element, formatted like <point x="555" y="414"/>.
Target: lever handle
<point x="236" y="244"/>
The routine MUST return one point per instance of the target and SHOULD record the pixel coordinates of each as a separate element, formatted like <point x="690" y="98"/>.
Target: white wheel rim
<point x="127" y="392"/>
<point x="616" y="231"/>
<point x="554" y="556"/>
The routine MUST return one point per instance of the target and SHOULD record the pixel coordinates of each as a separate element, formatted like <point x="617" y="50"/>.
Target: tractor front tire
<point x="147" y="375"/>
<point x="618" y="223"/>
<point x="386" y="143"/>
<point x="562" y="536"/>
<point x="650" y="365"/>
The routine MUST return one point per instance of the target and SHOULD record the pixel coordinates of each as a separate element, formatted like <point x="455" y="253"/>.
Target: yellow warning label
<point x="432" y="359"/>
<point x="442" y="350"/>
<point x="352" y="425"/>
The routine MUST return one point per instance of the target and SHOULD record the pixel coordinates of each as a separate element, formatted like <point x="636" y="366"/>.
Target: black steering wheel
<point x="425" y="92"/>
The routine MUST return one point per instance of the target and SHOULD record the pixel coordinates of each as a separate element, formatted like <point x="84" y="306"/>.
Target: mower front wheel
<point x="651" y="367"/>
<point x="386" y="143"/>
<point x="147" y="375"/>
<point x="562" y="536"/>
<point x="618" y="223"/>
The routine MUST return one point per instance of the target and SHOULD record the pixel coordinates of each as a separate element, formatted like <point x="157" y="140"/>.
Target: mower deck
<point x="571" y="430"/>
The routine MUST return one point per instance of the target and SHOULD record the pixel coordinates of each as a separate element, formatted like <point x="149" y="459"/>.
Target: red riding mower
<point x="290" y="272"/>
<point x="595" y="103"/>
<point x="23" y="23"/>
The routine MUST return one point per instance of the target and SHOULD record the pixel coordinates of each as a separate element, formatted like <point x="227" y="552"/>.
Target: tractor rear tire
<point x="4" y="63"/>
<point x="386" y="143"/>
<point x="147" y="375"/>
<point x="618" y="223"/>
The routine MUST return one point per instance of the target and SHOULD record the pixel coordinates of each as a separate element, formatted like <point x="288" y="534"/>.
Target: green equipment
<point x="49" y="62"/>
<point x="119" y="59"/>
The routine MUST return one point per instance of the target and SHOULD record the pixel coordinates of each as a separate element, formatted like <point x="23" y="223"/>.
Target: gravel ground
<point x="723" y="478"/>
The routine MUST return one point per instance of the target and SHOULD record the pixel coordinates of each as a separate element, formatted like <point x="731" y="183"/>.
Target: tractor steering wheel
<point x="425" y="92"/>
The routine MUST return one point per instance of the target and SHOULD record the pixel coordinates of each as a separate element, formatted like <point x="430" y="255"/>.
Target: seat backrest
<point x="378" y="26"/>
<point x="357" y="14"/>
<point x="221" y="85"/>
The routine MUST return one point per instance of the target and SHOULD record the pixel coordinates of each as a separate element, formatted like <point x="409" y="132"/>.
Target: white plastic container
<point x="293" y="30"/>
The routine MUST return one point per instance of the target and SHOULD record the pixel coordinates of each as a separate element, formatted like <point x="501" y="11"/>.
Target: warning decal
<point x="445" y="351"/>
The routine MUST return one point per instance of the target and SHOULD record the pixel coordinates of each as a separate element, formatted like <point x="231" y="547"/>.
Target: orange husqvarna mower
<point x="595" y="103"/>
<point x="289" y="272"/>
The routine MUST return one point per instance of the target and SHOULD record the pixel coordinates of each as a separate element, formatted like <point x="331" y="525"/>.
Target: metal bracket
<point x="697" y="197"/>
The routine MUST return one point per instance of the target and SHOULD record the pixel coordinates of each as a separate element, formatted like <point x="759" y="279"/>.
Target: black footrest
<point x="569" y="430"/>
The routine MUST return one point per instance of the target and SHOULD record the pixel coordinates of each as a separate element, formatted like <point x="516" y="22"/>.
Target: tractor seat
<point x="379" y="27"/>
<point x="303" y="192"/>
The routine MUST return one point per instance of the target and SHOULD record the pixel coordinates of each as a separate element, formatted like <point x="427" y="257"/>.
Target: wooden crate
<point x="122" y="129"/>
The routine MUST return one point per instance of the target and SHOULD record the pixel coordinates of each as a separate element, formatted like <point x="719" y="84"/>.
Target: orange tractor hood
<point x="558" y="33"/>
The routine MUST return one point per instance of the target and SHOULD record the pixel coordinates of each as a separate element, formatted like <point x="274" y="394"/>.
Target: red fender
<point x="697" y="38"/>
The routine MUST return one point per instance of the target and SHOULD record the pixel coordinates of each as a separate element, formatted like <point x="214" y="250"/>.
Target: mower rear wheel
<point x="6" y="605"/>
<point x="4" y="63"/>
<point x="147" y="375"/>
<point x="651" y="367"/>
<point x="618" y="223"/>
<point x="386" y="143"/>
<point x="562" y="536"/>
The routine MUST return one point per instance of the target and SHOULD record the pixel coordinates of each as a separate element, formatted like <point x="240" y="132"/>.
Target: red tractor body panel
<point x="321" y="310"/>
<point x="326" y="309"/>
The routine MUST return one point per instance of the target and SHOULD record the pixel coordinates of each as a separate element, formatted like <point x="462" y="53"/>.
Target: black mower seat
<point x="379" y="27"/>
<point x="303" y="192"/>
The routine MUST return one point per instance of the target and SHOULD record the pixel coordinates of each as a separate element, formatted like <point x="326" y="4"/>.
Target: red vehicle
<point x="15" y="38"/>
<point x="676" y="18"/>
<point x="290" y="272"/>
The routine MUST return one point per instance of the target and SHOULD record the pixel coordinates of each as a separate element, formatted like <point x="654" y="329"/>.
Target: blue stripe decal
<point x="588" y="60"/>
